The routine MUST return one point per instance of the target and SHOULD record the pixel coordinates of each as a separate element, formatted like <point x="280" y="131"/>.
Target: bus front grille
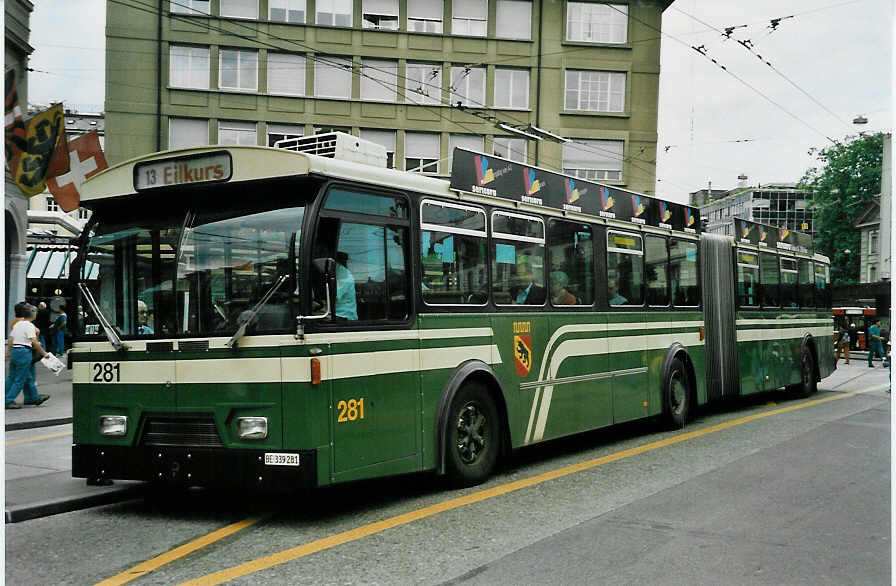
<point x="181" y="432"/>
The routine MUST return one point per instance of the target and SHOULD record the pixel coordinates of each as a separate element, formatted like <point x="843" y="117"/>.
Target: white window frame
<point x="285" y="131"/>
<point x="241" y="128"/>
<point x="507" y="10"/>
<point x="288" y="61"/>
<point x="190" y="7"/>
<point x="467" y="86"/>
<point x="422" y="16"/>
<point x="505" y="87"/>
<point x="248" y="13"/>
<point x="595" y="171"/>
<point x="379" y="8"/>
<point x="52" y="205"/>
<point x="333" y="6"/>
<point x="379" y="80"/>
<point x="194" y="56"/>
<point x="419" y="75"/>
<point x="467" y="14"/>
<point x="288" y="6"/>
<point x="510" y="145"/>
<point x="344" y="66"/>
<point x="594" y="91"/>
<point x="593" y="22"/>
<point x="173" y="121"/>
<point x="417" y="160"/>
<point x="251" y="58"/>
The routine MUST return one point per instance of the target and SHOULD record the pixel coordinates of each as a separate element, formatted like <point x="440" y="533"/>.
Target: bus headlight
<point x="252" y="428"/>
<point x="113" y="425"/>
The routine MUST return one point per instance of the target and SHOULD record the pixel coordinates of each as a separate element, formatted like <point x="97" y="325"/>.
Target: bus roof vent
<point x="337" y="145"/>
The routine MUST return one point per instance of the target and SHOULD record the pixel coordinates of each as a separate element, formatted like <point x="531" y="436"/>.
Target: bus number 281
<point x="350" y="410"/>
<point x="106" y="372"/>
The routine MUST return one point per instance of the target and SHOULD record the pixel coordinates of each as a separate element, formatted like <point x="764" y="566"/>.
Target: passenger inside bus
<point x="613" y="294"/>
<point x="560" y="294"/>
<point x="346" y="303"/>
<point x="526" y="291"/>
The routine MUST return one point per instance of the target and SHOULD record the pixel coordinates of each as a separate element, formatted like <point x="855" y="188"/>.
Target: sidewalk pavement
<point x="38" y="465"/>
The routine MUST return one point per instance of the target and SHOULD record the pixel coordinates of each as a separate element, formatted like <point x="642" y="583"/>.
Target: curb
<point x="19" y="513"/>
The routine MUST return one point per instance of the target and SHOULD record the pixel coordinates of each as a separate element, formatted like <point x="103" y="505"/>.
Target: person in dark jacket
<point x="42" y="323"/>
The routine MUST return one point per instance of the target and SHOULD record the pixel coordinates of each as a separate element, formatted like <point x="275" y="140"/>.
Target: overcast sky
<point x="831" y="62"/>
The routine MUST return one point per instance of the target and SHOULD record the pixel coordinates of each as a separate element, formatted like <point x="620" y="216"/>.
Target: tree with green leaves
<point x="843" y="186"/>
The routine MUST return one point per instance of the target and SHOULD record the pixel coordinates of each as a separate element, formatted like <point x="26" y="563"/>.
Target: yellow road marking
<point x="38" y="438"/>
<point x="155" y="563"/>
<point x="306" y="549"/>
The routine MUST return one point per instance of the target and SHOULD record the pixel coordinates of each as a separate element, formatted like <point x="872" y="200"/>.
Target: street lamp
<point x="860" y="120"/>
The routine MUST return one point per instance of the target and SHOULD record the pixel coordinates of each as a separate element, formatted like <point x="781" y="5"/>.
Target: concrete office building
<point x="781" y="205"/>
<point x="392" y="71"/>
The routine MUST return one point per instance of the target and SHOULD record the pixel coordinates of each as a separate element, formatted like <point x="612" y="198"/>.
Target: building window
<point x="872" y="273"/>
<point x="187" y="132"/>
<point x="380" y="14"/>
<point x="511" y="88"/>
<point x="384" y="138"/>
<point x="873" y="246"/>
<point x="188" y="67"/>
<point x="238" y="70"/>
<point x="423" y="83"/>
<point x="320" y="129"/>
<point x="469" y="18"/>
<point x="595" y="91"/>
<point x="425" y="16"/>
<point x="334" y="12"/>
<point x="83" y="214"/>
<point x="589" y="22"/>
<point x="593" y="159"/>
<point x="379" y="80"/>
<point x="332" y="77"/>
<point x="278" y="132"/>
<point x="468" y="86"/>
<point x="513" y="19"/>
<point x="237" y="133"/>
<point x="52" y="206"/>
<point x="287" y="11"/>
<point x="510" y="148"/>
<point x="470" y="142"/>
<point x="286" y="74"/>
<point x="190" y="6"/>
<point x="240" y="8"/>
<point x="421" y="152"/>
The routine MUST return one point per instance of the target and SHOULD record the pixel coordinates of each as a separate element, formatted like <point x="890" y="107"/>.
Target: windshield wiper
<point x="108" y="329"/>
<point x="251" y="315"/>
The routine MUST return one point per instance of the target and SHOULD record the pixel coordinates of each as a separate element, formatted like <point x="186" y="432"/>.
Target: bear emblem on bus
<point x="522" y="353"/>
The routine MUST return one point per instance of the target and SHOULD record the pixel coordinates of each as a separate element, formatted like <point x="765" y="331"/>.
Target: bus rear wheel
<point x="676" y="396"/>
<point x="473" y="436"/>
<point x="808" y="383"/>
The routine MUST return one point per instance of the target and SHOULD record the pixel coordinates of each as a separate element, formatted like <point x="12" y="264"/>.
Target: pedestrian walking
<point x="58" y="323"/>
<point x="843" y="343"/>
<point x="874" y="341"/>
<point x="22" y="339"/>
<point x="853" y="336"/>
<point x="42" y="323"/>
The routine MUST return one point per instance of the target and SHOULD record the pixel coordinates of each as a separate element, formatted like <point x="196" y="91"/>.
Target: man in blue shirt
<point x="874" y="341"/>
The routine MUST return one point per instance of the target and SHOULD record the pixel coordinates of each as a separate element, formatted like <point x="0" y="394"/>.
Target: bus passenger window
<point x="452" y="254"/>
<point x="571" y="252"/>
<point x="822" y="292"/>
<point x="683" y="273"/>
<point x="625" y="269"/>
<point x="768" y="273"/>
<point x="788" y="282"/>
<point x="656" y="259"/>
<point x="747" y="279"/>
<point x="806" y="285"/>
<point x="518" y="260"/>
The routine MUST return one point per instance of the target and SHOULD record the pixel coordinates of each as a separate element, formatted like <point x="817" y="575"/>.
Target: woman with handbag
<point x="22" y="340"/>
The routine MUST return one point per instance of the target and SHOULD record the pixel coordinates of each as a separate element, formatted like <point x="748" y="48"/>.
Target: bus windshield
<point x="193" y="272"/>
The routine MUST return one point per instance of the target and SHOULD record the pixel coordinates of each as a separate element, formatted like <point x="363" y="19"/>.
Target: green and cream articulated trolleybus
<point x="274" y="318"/>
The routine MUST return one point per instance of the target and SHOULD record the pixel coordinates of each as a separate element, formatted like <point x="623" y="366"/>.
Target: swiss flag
<point x="85" y="160"/>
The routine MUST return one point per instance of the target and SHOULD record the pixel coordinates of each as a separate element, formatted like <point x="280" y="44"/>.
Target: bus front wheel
<point x="676" y="396"/>
<point x="473" y="436"/>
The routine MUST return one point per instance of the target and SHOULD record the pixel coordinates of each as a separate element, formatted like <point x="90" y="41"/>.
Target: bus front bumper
<point x="197" y="466"/>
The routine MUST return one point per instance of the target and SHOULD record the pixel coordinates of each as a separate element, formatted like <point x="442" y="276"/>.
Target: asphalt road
<point x="767" y="491"/>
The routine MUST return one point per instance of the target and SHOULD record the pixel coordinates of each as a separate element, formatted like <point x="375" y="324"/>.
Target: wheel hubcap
<point x="471" y="434"/>
<point x="677" y="394"/>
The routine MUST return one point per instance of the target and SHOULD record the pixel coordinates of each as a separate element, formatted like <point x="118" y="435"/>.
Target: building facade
<point x="509" y="77"/>
<point x="781" y="205"/>
<point x="17" y="16"/>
